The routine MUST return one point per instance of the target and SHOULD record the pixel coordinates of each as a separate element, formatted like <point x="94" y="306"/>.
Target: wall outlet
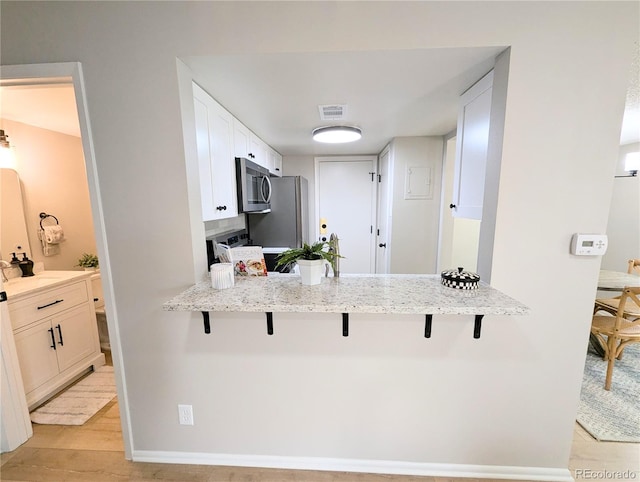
<point x="185" y="414"/>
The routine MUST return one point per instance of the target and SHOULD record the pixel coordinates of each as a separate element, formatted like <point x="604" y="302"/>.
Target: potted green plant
<point x="89" y="262"/>
<point x="310" y="259"/>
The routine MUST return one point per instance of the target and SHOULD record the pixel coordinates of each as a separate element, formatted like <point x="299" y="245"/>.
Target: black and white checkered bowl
<point x="460" y="279"/>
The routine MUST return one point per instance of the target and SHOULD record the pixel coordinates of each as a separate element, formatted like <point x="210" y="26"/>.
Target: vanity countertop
<point x="399" y="294"/>
<point x="17" y="288"/>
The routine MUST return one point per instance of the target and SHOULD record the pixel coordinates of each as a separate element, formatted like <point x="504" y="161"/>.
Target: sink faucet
<point x="4" y="265"/>
<point x="334" y="247"/>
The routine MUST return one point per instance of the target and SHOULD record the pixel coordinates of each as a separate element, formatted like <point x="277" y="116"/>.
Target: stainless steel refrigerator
<point x="287" y="225"/>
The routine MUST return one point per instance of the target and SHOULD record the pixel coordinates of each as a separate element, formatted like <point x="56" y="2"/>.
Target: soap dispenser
<point x="26" y="265"/>
<point x="14" y="260"/>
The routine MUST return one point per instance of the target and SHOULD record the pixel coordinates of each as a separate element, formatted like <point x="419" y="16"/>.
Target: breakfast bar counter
<point x="396" y="294"/>
<point x="390" y="294"/>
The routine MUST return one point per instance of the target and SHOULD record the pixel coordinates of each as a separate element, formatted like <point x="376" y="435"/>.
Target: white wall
<point x="490" y="207"/>
<point x="623" y="228"/>
<point x="414" y="230"/>
<point x="459" y="237"/>
<point x="51" y="168"/>
<point x="502" y="400"/>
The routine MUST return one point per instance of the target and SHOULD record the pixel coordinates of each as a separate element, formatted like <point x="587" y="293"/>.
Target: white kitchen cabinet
<point x="241" y="140"/>
<point x="248" y="145"/>
<point x="56" y="337"/>
<point x="215" y="141"/>
<point x="472" y="140"/>
<point x="275" y="162"/>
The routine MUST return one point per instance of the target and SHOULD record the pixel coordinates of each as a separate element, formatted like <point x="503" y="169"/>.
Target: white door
<point x="345" y="202"/>
<point x="14" y="413"/>
<point x="445" y="243"/>
<point x="383" y="232"/>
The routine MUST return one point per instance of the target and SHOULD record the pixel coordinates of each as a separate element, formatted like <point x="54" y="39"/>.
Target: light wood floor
<point x="94" y="452"/>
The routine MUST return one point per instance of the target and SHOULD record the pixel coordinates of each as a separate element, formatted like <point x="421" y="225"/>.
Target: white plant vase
<point x="311" y="271"/>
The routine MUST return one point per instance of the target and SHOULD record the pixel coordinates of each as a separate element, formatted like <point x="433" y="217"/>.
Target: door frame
<point x="71" y="72"/>
<point x="384" y="212"/>
<point x="373" y="200"/>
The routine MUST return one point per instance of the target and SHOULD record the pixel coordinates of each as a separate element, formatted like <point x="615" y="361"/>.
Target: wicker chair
<point x="610" y="305"/>
<point x="613" y="333"/>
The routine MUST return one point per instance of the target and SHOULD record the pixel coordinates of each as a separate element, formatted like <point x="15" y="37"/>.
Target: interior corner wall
<point x="54" y="180"/>
<point x="487" y="227"/>
<point x="553" y="182"/>
<point x="414" y="230"/>
<point x="623" y="227"/>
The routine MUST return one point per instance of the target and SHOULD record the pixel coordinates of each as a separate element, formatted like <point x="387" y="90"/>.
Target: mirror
<point x="13" y="226"/>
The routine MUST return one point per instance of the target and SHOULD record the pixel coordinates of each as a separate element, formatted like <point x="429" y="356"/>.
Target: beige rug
<point x="79" y="402"/>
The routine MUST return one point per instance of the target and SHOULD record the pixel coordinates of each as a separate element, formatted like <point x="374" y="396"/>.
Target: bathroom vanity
<point x="54" y="325"/>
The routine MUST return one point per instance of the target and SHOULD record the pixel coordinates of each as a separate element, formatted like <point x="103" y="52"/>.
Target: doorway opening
<point x="53" y="155"/>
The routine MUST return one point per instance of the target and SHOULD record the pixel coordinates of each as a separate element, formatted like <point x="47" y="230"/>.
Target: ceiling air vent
<point x="332" y="112"/>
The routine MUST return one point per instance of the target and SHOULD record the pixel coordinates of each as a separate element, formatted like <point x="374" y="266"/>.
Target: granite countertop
<point x="408" y="294"/>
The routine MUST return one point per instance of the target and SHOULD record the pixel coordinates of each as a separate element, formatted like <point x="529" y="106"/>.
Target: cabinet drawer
<point x="47" y="303"/>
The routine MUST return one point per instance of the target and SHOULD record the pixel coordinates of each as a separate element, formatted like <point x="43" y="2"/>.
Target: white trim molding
<point x="358" y="465"/>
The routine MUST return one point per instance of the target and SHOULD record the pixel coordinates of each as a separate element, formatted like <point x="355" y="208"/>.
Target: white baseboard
<point x="356" y="465"/>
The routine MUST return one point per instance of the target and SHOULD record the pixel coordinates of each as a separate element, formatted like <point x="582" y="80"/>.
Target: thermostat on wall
<point x="589" y="244"/>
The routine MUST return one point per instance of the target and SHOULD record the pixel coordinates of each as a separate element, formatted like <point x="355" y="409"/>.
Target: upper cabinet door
<point x="258" y="151"/>
<point x="241" y="139"/>
<point x="275" y="162"/>
<point x="214" y="138"/>
<point x="471" y="149"/>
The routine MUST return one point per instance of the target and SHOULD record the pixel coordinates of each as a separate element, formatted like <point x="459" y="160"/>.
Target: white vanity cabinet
<point x="216" y="162"/>
<point x="56" y="336"/>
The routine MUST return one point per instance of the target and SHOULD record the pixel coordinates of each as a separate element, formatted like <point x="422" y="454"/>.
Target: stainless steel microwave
<point x="254" y="187"/>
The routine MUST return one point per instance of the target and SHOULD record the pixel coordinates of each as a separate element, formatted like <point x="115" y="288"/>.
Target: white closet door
<point x="346" y="203"/>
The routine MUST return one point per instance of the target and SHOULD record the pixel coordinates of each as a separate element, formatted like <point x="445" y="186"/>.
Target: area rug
<point x="614" y="415"/>
<point x="79" y="402"/>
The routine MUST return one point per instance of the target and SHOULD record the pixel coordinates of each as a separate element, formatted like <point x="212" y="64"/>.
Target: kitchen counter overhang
<point x="391" y="294"/>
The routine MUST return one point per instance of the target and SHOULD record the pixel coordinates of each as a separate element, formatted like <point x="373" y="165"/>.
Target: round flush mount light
<point x="336" y="134"/>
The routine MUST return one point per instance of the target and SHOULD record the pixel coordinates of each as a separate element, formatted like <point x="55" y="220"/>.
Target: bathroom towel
<point x="48" y="249"/>
<point x="53" y="234"/>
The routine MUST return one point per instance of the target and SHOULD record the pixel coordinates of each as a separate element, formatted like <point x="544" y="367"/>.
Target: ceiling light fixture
<point x="336" y="134"/>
